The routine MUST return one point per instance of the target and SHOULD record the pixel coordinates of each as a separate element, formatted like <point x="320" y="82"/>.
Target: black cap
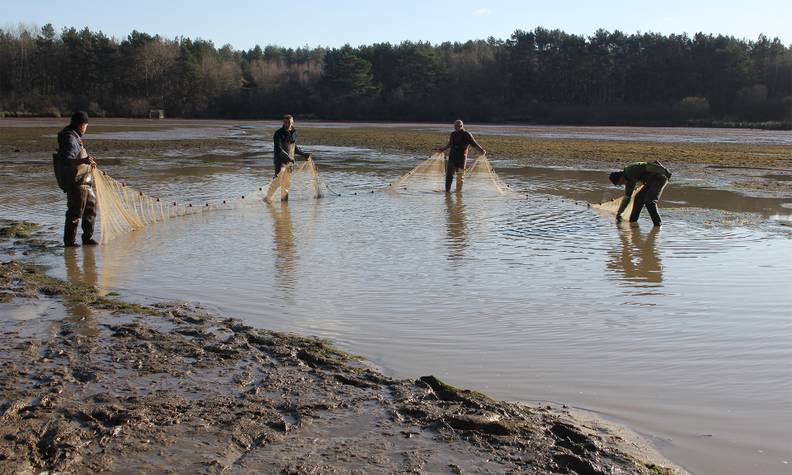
<point x="615" y="177"/>
<point x="79" y="117"/>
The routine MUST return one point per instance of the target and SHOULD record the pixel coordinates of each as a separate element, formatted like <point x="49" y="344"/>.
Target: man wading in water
<point x="458" y="144"/>
<point x="654" y="177"/>
<point x="74" y="172"/>
<point x="285" y="146"/>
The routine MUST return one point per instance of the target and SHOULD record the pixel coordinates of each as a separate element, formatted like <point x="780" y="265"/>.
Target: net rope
<point x="122" y="208"/>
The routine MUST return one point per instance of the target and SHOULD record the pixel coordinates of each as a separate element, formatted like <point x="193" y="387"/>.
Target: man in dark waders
<point x="654" y="177"/>
<point x="285" y="146"/>
<point x="458" y="144"/>
<point x="74" y="172"/>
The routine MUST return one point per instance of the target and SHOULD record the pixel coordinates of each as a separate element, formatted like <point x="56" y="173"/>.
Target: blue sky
<point x="244" y="23"/>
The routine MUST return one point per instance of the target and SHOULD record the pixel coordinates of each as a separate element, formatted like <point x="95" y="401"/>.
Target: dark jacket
<point x="283" y="140"/>
<point x="458" y="144"/>
<point x="644" y="173"/>
<point x="68" y="162"/>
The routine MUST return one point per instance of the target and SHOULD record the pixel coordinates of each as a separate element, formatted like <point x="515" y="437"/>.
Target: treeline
<point x="544" y="76"/>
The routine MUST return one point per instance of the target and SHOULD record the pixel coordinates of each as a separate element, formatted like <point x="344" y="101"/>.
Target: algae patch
<point x="18" y="229"/>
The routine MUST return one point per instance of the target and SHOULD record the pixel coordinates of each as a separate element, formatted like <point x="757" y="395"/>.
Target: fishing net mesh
<point x="430" y="174"/>
<point x="123" y="209"/>
<point x="611" y="207"/>
<point x="299" y="180"/>
<point x="481" y="174"/>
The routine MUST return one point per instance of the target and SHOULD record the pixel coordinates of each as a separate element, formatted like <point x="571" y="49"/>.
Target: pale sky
<point x="245" y="23"/>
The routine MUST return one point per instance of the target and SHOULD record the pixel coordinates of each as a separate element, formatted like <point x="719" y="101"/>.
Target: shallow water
<point x="681" y="333"/>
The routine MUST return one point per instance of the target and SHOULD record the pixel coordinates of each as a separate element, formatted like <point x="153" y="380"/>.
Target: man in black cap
<point x="74" y="172"/>
<point x="654" y="177"/>
<point x="458" y="144"/>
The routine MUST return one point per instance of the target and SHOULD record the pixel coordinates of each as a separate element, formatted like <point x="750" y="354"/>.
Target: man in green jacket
<point x="654" y="177"/>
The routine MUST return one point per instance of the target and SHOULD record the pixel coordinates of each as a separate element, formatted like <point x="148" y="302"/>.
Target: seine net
<point x="481" y="175"/>
<point x="123" y="209"/>
<point x="297" y="180"/>
<point x="610" y="207"/>
<point x="430" y="174"/>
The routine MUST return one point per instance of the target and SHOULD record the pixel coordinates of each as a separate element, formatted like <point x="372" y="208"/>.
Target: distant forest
<point x="539" y="76"/>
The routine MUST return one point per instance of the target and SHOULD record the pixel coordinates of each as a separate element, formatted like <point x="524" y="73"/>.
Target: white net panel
<point x="611" y="207"/>
<point x="430" y="175"/>
<point x="123" y="209"/>
<point x="482" y="175"/>
<point x="298" y="180"/>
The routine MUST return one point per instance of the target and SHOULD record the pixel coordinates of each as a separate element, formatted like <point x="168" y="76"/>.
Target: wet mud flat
<point x="145" y="137"/>
<point x="91" y="383"/>
<point x="742" y="164"/>
<point x="39" y="137"/>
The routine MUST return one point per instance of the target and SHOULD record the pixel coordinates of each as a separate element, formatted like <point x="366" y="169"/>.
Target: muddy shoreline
<point x="92" y="383"/>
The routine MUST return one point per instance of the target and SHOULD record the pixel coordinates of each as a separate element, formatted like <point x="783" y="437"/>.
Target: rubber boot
<point x="73" y="213"/>
<point x="70" y="233"/>
<point x="460" y="180"/>
<point x="638" y="205"/>
<point x="651" y="207"/>
<point x="89" y="218"/>
<point x="449" y="177"/>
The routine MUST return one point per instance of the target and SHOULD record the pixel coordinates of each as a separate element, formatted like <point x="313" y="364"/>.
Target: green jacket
<point x="640" y="172"/>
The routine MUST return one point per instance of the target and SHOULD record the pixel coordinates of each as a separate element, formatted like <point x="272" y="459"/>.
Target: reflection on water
<point x="680" y="332"/>
<point x="456" y="226"/>
<point x="637" y="259"/>
<point x="283" y="245"/>
<point x="81" y="273"/>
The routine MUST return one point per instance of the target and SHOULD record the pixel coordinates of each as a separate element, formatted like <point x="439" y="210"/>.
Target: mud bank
<point x="120" y="137"/>
<point x="42" y="140"/>
<point x="753" y="168"/>
<point x="561" y="151"/>
<point x="89" y="383"/>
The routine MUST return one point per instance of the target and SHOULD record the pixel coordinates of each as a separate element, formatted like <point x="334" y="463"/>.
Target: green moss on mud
<point x="655" y="469"/>
<point x="447" y="391"/>
<point x="18" y="229"/>
<point x="30" y="279"/>
<point x="317" y="350"/>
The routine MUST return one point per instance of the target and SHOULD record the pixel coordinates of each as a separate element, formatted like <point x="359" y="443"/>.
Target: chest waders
<point x="283" y="178"/>
<point x="455" y="166"/>
<point x="80" y="205"/>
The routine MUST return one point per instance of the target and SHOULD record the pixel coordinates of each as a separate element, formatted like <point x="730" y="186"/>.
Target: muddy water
<point x="682" y="334"/>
